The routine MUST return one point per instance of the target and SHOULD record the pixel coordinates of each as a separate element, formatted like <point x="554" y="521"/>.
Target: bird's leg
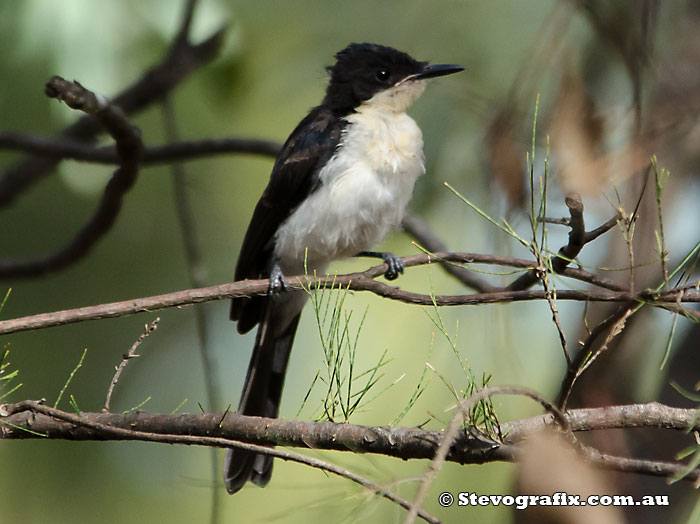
<point x="277" y="281"/>
<point x="391" y="260"/>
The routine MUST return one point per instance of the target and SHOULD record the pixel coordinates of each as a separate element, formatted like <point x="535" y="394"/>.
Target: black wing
<point x="293" y="178"/>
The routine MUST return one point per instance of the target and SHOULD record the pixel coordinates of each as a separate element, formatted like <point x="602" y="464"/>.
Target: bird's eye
<point x="382" y="75"/>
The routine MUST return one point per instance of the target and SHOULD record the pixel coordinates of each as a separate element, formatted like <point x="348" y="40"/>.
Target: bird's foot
<point x="395" y="264"/>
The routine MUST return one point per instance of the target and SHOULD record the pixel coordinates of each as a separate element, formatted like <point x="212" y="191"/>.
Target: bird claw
<point x="395" y="266"/>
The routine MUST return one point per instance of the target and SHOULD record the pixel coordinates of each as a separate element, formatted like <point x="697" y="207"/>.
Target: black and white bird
<point x="340" y="184"/>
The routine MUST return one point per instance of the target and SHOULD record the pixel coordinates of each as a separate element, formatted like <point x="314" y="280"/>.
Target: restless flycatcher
<point x="340" y="184"/>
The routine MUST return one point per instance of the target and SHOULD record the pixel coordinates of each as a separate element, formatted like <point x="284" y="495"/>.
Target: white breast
<point x="365" y="188"/>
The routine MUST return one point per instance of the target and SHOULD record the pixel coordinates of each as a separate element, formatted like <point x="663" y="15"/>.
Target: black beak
<point x="435" y="70"/>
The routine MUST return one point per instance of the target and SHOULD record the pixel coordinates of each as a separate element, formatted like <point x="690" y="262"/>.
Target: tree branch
<point x="356" y="281"/>
<point x="37" y="409"/>
<point x="149" y="328"/>
<point x="62" y="148"/>
<point x="577" y="239"/>
<point x="648" y="415"/>
<point x="31" y="420"/>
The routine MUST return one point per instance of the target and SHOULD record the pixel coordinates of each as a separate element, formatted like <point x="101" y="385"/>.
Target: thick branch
<point x="407" y="443"/>
<point x="116" y="433"/>
<point x="399" y="442"/>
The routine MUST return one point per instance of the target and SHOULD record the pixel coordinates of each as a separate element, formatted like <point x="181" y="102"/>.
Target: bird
<point x="339" y="185"/>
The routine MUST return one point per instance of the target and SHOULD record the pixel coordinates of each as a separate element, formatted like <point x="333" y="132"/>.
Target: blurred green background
<point x="270" y="72"/>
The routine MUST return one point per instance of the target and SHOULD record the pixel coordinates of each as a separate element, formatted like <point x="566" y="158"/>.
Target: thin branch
<point x="355" y="281"/>
<point x="655" y="468"/>
<point x="62" y="148"/>
<point x="557" y="221"/>
<point x="149" y="328"/>
<point x="182" y="37"/>
<point x="550" y="293"/>
<point x="649" y="415"/>
<point x="128" y="144"/>
<point x="604" y="228"/>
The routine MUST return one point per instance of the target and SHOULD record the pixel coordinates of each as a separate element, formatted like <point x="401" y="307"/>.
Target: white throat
<point x="396" y="99"/>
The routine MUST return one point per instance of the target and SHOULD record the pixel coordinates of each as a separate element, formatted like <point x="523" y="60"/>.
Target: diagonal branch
<point x="420" y="231"/>
<point x="607" y="330"/>
<point x="149" y="328"/>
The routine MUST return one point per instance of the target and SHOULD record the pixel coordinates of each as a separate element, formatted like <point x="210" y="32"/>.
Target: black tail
<point x="261" y="393"/>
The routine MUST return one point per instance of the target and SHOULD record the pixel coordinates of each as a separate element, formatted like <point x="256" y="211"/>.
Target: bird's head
<point x="371" y="74"/>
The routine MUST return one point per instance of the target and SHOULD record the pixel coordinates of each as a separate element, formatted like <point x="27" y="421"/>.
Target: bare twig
<point x="128" y="143"/>
<point x="149" y="328"/>
<point x="604" y="228"/>
<point x="557" y="221"/>
<point x="647" y="467"/>
<point x="649" y="415"/>
<point x="59" y="148"/>
<point x="555" y="318"/>
<point x="182" y="37"/>
<point x="550" y="295"/>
